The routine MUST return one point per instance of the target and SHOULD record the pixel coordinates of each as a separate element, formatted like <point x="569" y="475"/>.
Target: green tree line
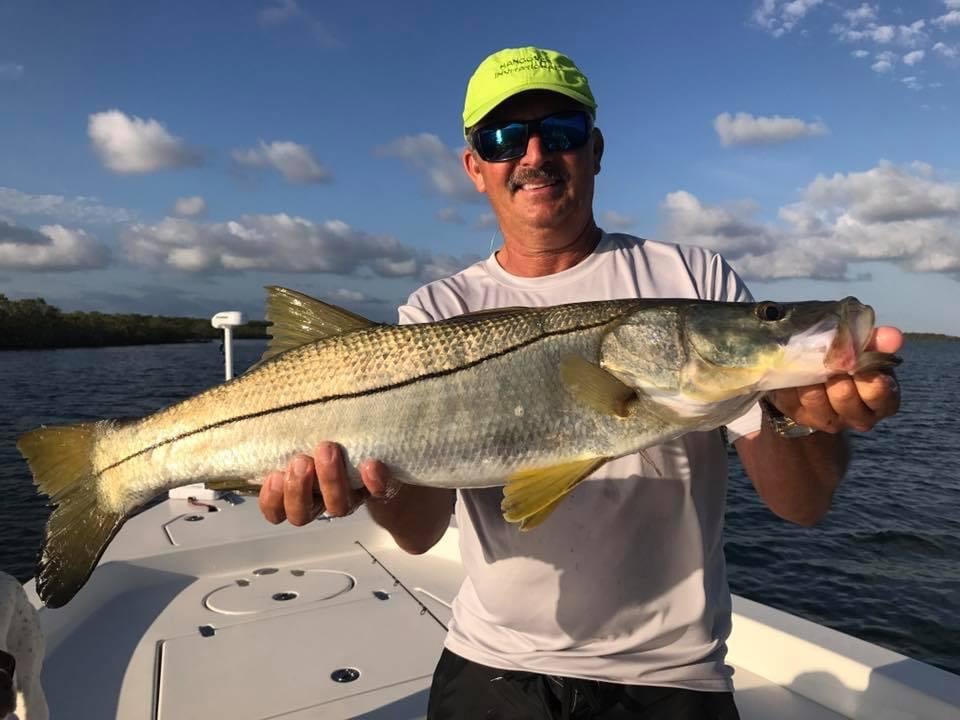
<point x="32" y="324"/>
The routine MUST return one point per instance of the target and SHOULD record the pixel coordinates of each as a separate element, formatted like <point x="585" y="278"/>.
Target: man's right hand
<point x="310" y="485"/>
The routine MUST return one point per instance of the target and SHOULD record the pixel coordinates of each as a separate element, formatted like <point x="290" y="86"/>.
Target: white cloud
<point x="617" y="221"/>
<point x="722" y="229"/>
<point x="863" y="14"/>
<point x="295" y="162"/>
<point x="902" y="214"/>
<point x="745" y="129"/>
<point x="441" y="165"/>
<point x="946" y="51"/>
<point x="910" y="35"/>
<point x="450" y="215"/>
<point x="10" y="70"/>
<point x="950" y="19"/>
<point x="52" y="248"/>
<point x="486" y="221"/>
<point x="77" y="209"/>
<point x="279" y="11"/>
<point x="133" y="145"/>
<point x="350" y="296"/>
<point x="882" y="66"/>
<point x="952" y="4"/>
<point x="912" y="58"/>
<point x="779" y="17"/>
<point x="190" y="206"/>
<point x="860" y="53"/>
<point x="279" y="243"/>
<point x="912" y="82"/>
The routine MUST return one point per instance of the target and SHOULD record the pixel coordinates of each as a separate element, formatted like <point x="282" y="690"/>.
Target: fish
<point x="533" y="399"/>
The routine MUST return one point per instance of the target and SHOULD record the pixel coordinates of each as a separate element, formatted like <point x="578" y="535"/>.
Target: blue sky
<point x="176" y="157"/>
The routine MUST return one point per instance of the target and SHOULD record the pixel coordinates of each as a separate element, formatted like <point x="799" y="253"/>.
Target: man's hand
<point x="310" y="485"/>
<point x="416" y="516"/>
<point x="856" y="402"/>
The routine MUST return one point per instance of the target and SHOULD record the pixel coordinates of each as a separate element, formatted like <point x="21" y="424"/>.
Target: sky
<point x="175" y="158"/>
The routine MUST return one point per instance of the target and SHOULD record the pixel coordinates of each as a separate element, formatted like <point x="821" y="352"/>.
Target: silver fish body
<point x="530" y="398"/>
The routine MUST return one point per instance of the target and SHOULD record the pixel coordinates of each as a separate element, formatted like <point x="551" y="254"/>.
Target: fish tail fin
<point x="81" y="525"/>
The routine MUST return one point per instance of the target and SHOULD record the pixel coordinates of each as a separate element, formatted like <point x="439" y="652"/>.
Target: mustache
<point x="541" y="175"/>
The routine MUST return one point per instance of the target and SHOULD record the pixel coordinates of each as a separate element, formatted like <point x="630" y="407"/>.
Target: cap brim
<point x="486" y="108"/>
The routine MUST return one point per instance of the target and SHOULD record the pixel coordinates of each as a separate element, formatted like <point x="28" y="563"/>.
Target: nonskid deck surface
<point x="196" y="614"/>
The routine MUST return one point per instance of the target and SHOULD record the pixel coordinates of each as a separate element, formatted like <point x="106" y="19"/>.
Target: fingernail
<point x="299" y="467"/>
<point x="327" y="453"/>
<point x="276" y="483"/>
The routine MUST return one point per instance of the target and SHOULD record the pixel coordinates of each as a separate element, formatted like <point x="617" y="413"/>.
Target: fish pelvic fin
<point x="529" y="496"/>
<point x="299" y="319"/>
<point x="80" y="526"/>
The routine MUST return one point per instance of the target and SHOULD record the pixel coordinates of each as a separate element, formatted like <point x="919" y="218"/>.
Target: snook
<point x="531" y="398"/>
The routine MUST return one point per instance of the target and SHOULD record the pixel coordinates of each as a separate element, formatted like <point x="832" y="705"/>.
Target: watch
<point x="781" y="424"/>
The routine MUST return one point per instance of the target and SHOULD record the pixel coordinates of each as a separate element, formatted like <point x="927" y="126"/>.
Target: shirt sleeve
<point x="413" y="311"/>
<point x="724" y="284"/>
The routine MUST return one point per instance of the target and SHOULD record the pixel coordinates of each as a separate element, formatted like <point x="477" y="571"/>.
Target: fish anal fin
<point x="298" y="319"/>
<point x="595" y="387"/>
<point x="529" y="496"/>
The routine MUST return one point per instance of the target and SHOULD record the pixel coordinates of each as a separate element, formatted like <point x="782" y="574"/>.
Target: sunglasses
<point x="559" y="132"/>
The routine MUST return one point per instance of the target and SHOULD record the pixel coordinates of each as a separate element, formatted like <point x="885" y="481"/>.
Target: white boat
<point x="201" y="609"/>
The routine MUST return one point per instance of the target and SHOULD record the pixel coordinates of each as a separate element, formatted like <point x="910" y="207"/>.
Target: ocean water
<point x="883" y="566"/>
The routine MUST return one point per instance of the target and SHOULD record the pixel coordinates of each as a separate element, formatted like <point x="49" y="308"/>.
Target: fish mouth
<point x="854" y="331"/>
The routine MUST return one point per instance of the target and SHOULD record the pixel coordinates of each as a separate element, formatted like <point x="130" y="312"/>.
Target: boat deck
<point x="197" y="614"/>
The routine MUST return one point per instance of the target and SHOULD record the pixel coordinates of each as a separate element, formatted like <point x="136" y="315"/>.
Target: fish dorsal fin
<point x="595" y="387"/>
<point x="299" y="319"/>
<point x="529" y="496"/>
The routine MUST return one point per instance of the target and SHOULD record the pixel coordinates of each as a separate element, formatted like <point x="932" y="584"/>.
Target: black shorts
<point x="465" y="690"/>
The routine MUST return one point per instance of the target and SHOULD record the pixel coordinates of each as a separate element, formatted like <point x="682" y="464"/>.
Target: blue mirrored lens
<point x="503" y="142"/>
<point x="559" y="132"/>
<point x="564" y="131"/>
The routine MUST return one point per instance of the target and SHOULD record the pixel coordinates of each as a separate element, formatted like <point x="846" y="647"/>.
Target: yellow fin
<point x="299" y="319"/>
<point x="538" y="517"/>
<point x="531" y="495"/>
<point x="595" y="387"/>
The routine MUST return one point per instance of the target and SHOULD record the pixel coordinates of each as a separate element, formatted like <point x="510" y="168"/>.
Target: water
<point x="883" y="566"/>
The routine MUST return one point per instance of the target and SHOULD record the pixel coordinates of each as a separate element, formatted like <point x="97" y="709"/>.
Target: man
<point x="618" y="605"/>
<point x="21" y="655"/>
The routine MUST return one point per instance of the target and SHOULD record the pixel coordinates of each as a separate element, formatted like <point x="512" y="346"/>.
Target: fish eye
<point x="770" y="312"/>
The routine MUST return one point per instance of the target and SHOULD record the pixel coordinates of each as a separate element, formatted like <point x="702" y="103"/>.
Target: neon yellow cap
<point x="514" y="70"/>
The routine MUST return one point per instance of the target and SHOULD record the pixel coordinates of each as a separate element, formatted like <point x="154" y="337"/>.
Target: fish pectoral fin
<point x="529" y="496"/>
<point x="595" y="387"/>
<point x="241" y="486"/>
<point x="298" y="319"/>
<point x="877" y="361"/>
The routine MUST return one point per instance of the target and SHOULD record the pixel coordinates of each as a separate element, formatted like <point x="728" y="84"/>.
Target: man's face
<point x="542" y="190"/>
